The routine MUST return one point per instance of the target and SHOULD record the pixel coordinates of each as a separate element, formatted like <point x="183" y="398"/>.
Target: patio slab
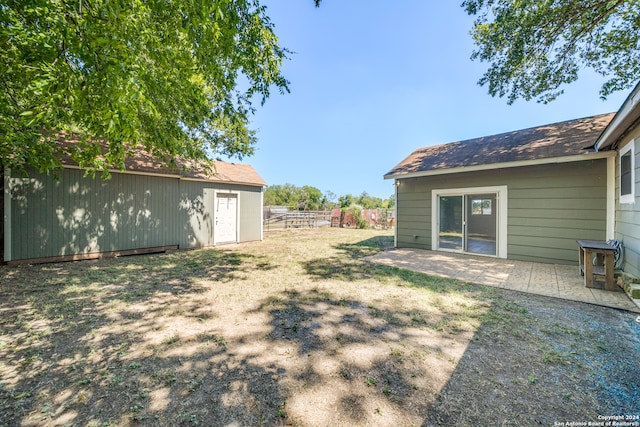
<point x="553" y="280"/>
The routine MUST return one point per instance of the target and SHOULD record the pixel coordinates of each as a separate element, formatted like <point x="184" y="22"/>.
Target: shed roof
<point x="542" y="143"/>
<point x="142" y="162"/>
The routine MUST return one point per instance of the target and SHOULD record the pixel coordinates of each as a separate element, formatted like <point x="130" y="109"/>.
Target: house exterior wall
<point x="549" y="207"/>
<point x="627" y="215"/>
<point x="83" y="215"/>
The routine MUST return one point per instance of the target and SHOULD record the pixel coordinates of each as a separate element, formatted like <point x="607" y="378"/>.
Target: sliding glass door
<point x="481" y="221"/>
<point x="451" y="223"/>
<point x="469" y="221"/>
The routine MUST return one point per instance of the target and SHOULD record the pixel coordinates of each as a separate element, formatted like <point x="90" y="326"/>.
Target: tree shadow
<point x="363" y="345"/>
<point x="541" y="361"/>
<point x="350" y="265"/>
<point x="513" y="370"/>
<point x="109" y="353"/>
<point x="188" y="338"/>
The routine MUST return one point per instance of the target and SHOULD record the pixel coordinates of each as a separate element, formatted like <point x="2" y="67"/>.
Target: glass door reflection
<point x="451" y="231"/>
<point x="481" y="221"/>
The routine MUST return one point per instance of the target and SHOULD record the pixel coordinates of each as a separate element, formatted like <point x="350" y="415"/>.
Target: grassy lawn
<point x="300" y="330"/>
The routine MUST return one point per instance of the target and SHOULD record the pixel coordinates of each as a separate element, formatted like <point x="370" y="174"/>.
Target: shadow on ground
<point x="213" y="338"/>
<point x="540" y="361"/>
<point x="106" y="353"/>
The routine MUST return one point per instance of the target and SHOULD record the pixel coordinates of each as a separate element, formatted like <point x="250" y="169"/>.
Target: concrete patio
<point x="558" y="281"/>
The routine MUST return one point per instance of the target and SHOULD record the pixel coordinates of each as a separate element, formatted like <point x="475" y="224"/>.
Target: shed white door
<point x="226" y="225"/>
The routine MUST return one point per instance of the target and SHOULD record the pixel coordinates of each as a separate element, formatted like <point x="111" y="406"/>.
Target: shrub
<point x="354" y="217"/>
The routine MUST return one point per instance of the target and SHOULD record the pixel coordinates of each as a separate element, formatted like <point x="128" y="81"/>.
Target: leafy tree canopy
<point x="366" y="201"/>
<point x="310" y="198"/>
<point x="535" y="46"/>
<point x="178" y="77"/>
<point x="304" y="198"/>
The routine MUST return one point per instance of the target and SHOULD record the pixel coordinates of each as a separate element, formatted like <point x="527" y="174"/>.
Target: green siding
<point x="196" y="215"/>
<point x="197" y="212"/>
<point x="250" y="209"/>
<point x="80" y="215"/>
<point x="549" y="207"/>
<point x="627" y="228"/>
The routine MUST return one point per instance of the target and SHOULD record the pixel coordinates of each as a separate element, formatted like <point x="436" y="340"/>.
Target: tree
<point x="369" y="202"/>
<point x="389" y="203"/>
<point x="179" y="77"/>
<point x="305" y="198"/>
<point x="282" y="195"/>
<point x="311" y="198"/>
<point x="330" y="198"/>
<point x="345" y="201"/>
<point x="534" y="47"/>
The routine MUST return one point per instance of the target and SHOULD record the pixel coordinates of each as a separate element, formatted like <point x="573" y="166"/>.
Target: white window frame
<point x="627" y="198"/>
<point x="501" y="229"/>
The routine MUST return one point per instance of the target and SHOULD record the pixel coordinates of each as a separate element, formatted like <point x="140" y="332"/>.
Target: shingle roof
<point x="227" y="172"/>
<point x="568" y="138"/>
<point x="143" y="162"/>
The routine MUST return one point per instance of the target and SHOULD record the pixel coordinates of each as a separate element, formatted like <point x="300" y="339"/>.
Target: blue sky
<point x="371" y="81"/>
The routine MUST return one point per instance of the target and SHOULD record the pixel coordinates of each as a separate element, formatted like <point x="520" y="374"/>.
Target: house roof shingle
<point x="569" y="138"/>
<point x="143" y="162"/>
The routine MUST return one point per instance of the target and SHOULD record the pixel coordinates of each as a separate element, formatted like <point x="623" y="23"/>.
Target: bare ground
<point x="298" y="330"/>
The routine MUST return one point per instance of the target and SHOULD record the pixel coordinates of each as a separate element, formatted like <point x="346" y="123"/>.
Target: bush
<point x="356" y="217"/>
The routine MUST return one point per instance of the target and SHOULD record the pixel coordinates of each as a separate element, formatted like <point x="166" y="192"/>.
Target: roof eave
<point x="627" y="117"/>
<point x="251" y="184"/>
<point x="484" y="167"/>
<point x="128" y="172"/>
<point x="174" y="176"/>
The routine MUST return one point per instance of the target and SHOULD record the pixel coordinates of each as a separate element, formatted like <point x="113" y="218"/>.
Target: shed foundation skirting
<point x="95" y="255"/>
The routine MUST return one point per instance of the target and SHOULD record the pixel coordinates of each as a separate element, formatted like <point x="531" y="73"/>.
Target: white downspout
<point x="395" y="212"/>
<point x="262" y="213"/>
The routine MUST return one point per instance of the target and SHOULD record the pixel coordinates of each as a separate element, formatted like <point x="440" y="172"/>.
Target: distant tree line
<point x="312" y="199"/>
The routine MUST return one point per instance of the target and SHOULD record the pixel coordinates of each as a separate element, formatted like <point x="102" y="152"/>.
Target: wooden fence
<point x="296" y="219"/>
<point x="282" y="219"/>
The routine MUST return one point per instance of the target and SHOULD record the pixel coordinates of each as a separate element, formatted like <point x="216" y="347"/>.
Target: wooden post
<point x="588" y="268"/>
<point x="609" y="283"/>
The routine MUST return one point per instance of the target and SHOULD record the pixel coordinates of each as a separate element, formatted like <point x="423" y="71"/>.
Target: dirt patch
<point x="298" y="330"/>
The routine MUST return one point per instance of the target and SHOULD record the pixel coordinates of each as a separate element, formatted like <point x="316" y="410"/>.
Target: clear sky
<point x="373" y="80"/>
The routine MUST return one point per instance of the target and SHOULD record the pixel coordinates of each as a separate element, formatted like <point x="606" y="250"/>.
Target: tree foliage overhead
<point x="536" y="46"/>
<point x="176" y="76"/>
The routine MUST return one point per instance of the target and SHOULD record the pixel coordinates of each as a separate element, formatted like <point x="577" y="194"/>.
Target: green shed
<point x="145" y="208"/>
<point x="523" y="195"/>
